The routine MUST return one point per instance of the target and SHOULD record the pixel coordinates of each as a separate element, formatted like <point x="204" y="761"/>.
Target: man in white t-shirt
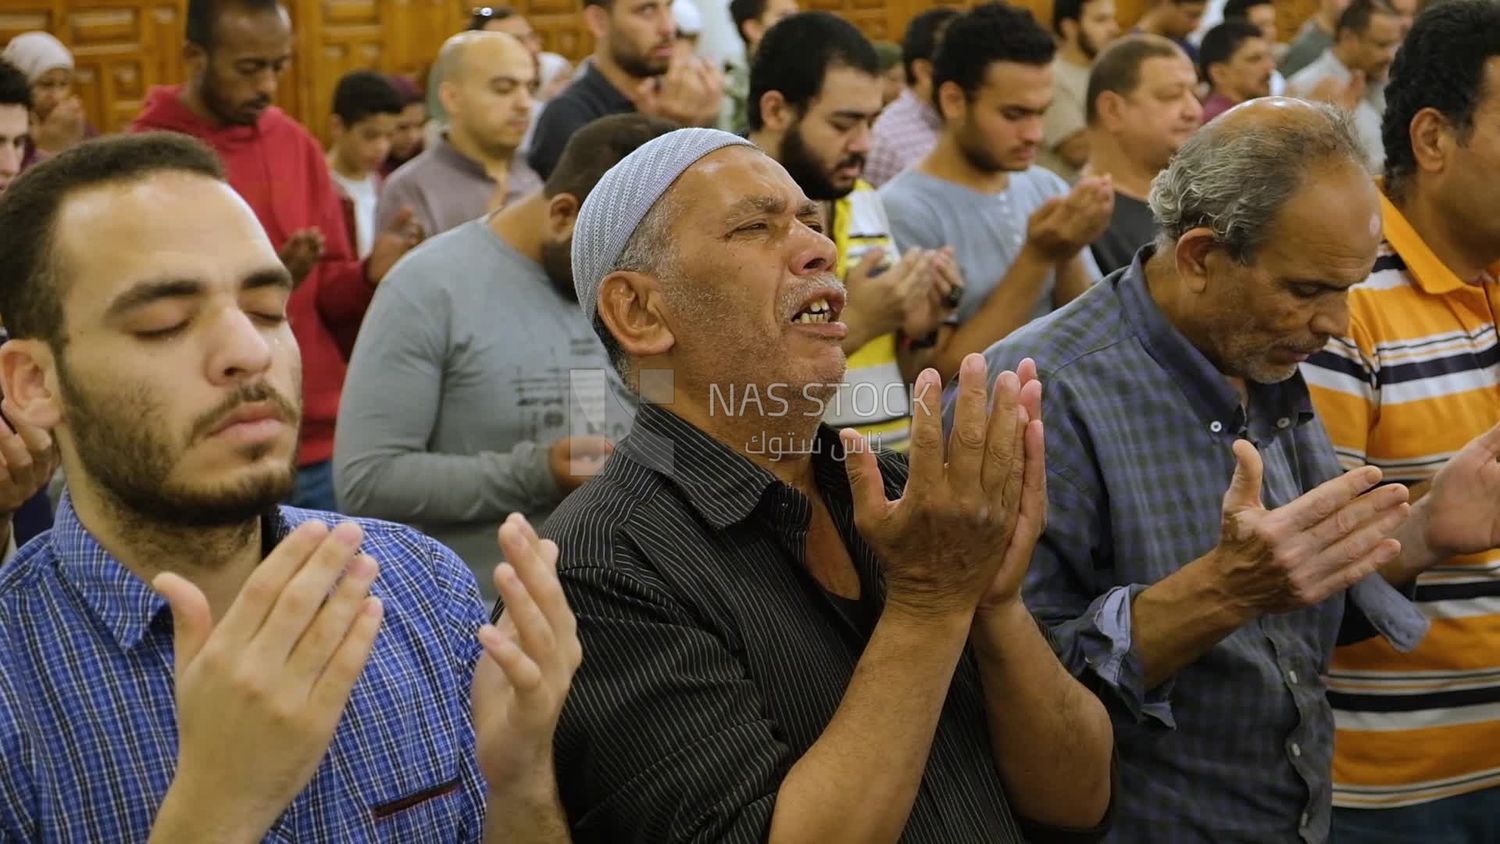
<point x="366" y="108"/>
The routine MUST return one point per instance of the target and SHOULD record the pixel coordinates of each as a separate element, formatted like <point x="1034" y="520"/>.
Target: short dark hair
<point x="1066" y="10"/>
<point x="30" y="295"/>
<point x="744" y="11"/>
<point x="484" y="14"/>
<point x="922" y="37"/>
<point x="1222" y="42"/>
<point x="1118" y="68"/>
<point x="597" y="147"/>
<point x="796" y="55"/>
<point x="985" y="34"/>
<point x="1239" y="10"/>
<point x="361" y="93"/>
<point x="203" y="15"/>
<point x="1357" y="15"/>
<point x="15" y="88"/>
<point x="1439" y="66"/>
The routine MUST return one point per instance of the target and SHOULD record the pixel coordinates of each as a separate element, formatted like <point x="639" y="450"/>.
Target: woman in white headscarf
<point x="57" y="121"/>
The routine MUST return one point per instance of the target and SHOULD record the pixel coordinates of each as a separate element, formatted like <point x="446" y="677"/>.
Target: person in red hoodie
<point x="236" y="52"/>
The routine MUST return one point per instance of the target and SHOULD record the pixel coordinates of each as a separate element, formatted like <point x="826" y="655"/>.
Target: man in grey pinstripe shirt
<point x="779" y="645"/>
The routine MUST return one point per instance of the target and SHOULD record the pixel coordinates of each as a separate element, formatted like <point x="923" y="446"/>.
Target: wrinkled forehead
<point x="1329" y="228"/>
<point x="718" y="184"/>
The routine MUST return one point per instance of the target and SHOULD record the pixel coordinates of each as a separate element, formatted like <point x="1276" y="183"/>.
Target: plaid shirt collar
<point x="1212" y="397"/>
<point x="125" y="604"/>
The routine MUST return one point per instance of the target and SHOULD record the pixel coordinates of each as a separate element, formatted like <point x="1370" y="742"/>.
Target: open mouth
<point x="822" y="306"/>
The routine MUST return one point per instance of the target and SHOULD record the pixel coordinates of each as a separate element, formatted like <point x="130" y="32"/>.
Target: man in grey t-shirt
<point x="477" y="387"/>
<point x="1017" y="231"/>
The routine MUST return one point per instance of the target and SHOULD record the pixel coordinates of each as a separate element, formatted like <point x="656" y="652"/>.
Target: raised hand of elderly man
<point x="943" y="542"/>
<point x="1269" y="561"/>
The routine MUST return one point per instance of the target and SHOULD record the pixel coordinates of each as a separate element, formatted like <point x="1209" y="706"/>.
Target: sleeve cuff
<point x="1390" y="612"/>
<point x="1104" y="641"/>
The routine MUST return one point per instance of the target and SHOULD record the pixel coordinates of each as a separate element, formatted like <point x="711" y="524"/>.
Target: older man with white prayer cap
<point x="780" y="646"/>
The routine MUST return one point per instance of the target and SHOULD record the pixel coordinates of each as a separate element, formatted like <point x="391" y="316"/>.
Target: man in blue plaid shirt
<point x="1203" y="550"/>
<point x="180" y="658"/>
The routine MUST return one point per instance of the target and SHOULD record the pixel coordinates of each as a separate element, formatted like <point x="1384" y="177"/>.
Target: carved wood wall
<point x="123" y="47"/>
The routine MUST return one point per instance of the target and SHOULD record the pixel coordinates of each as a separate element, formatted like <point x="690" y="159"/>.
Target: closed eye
<point x="162" y="333"/>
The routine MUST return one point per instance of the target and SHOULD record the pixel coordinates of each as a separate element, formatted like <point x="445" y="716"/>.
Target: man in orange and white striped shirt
<point x="1417" y="741"/>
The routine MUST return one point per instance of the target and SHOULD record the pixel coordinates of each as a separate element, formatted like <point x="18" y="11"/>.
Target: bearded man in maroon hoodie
<point x="236" y="52"/>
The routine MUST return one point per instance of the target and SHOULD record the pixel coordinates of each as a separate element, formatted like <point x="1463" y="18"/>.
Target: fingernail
<point x="973" y="364"/>
<point x="348" y="533"/>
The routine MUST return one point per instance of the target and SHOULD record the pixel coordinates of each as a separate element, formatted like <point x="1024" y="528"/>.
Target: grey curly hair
<point x="1233" y="178"/>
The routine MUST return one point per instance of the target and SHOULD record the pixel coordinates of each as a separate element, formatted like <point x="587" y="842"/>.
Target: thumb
<point x="865" y="484"/>
<point x="1244" y="487"/>
<point x="192" y="621"/>
<point x="868" y="263"/>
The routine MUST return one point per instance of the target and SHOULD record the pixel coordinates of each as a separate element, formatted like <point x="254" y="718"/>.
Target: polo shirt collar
<point x="1212" y="397"/>
<point x="1424" y="267"/>
<point x="449" y="155"/>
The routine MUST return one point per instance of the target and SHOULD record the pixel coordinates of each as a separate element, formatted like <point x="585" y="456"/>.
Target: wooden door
<point x="121" y="48"/>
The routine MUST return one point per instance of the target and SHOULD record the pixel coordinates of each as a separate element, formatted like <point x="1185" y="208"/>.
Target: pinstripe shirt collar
<point x="126" y="605"/>
<point x="723" y="486"/>
<point x="1204" y="386"/>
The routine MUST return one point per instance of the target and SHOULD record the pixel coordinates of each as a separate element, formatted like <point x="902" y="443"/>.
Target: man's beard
<point x="1087" y="45"/>
<point x="221" y="107"/>
<point x="805" y="169"/>
<point x="557" y="262"/>
<point x="637" y="65"/>
<point x="972" y="148"/>
<point x="122" y="446"/>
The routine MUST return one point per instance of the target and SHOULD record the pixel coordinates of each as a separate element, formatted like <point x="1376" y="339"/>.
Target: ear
<point x="922" y="70"/>
<point x="336" y="127"/>
<point x="1213" y="75"/>
<point x="1432" y="140"/>
<point x="776" y="114"/>
<point x="28" y="379"/>
<point x="752" y="31"/>
<point x="1069" y="30"/>
<point x="1109" y="107"/>
<point x="630" y="306"/>
<point x="951" y="101"/>
<point x="448" y="97"/>
<point x="596" y="18"/>
<point x="194" y="58"/>
<point x="1195" y="252"/>
<point x="562" y="214"/>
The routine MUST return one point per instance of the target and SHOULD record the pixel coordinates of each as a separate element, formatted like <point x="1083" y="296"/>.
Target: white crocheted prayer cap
<point x="618" y="203"/>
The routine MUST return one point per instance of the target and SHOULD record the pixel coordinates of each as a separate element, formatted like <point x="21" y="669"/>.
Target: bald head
<point x="468" y="53"/>
<point x="1274" y="113"/>
<point x="485" y="85"/>
<point x="1234" y="175"/>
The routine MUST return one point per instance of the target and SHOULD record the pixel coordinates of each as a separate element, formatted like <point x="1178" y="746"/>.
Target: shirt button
<point x="1216" y="426"/>
<point x="1291" y="677"/>
<point x="1296" y="750"/>
<point x="1283" y="422"/>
